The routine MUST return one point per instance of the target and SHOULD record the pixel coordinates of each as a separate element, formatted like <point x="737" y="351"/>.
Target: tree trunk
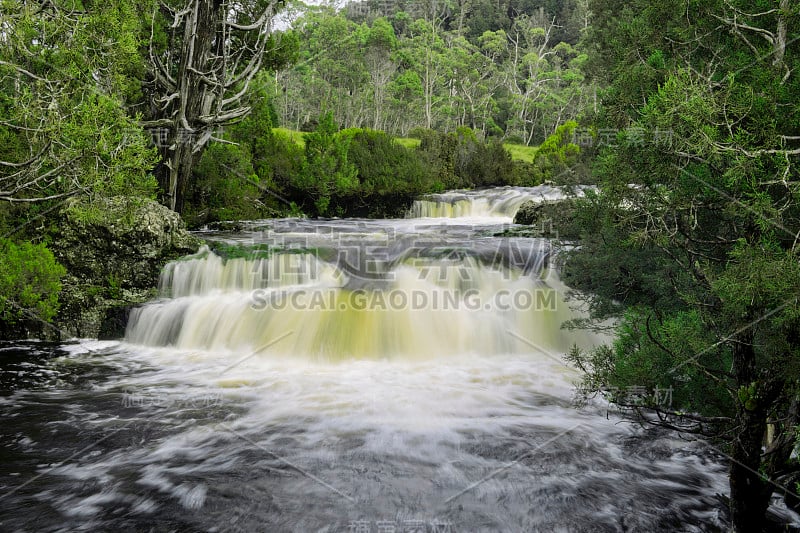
<point x="200" y="84"/>
<point x="780" y="35"/>
<point x="750" y="494"/>
<point x="197" y="44"/>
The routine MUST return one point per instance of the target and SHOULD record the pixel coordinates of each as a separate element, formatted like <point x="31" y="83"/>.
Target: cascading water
<point x="409" y="306"/>
<point x="500" y="204"/>
<point x="342" y="375"/>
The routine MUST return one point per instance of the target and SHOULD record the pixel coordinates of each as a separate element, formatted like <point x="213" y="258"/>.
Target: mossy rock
<point x="551" y="219"/>
<point x="113" y="250"/>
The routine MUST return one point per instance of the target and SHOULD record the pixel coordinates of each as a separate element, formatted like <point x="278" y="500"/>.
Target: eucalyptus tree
<point x="380" y="45"/>
<point x="474" y="80"/>
<point x="427" y="54"/>
<point x="528" y="71"/>
<point x="331" y="74"/>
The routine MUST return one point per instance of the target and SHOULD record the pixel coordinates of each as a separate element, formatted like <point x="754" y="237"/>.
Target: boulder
<point x="113" y="250"/>
<point x="551" y="219"/>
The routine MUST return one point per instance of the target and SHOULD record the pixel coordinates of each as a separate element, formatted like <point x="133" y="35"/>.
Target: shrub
<point x="483" y="165"/>
<point x="327" y="171"/>
<point x="386" y="167"/>
<point x="226" y="186"/>
<point x="248" y="179"/>
<point x="30" y="280"/>
<point x="557" y="155"/>
<point x="461" y="160"/>
<point x="418" y="133"/>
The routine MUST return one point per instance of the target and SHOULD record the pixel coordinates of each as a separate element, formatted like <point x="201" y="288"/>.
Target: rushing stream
<point x="344" y="375"/>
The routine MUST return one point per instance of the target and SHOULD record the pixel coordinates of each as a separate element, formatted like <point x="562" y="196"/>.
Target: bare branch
<point x="263" y="20"/>
<point x="36" y="199"/>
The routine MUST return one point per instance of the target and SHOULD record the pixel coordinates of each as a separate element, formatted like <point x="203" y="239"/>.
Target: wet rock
<point x="551" y="219"/>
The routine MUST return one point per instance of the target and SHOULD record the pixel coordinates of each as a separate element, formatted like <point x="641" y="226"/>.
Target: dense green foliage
<point x="30" y="279"/>
<point x="558" y="158"/>
<point x="68" y="80"/>
<point x="352" y="172"/>
<point x="504" y="69"/>
<point x="385" y="167"/>
<point x="432" y="70"/>
<point x="692" y="240"/>
<point x="326" y="170"/>
<point x="688" y="112"/>
<point x="65" y="129"/>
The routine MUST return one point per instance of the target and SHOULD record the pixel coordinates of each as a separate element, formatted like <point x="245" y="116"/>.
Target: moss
<point x="254" y="251"/>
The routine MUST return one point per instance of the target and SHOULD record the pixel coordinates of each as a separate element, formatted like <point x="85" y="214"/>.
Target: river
<point x="342" y="375"/>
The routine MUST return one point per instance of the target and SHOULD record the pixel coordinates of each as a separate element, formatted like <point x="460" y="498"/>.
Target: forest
<point x="686" y="115"/>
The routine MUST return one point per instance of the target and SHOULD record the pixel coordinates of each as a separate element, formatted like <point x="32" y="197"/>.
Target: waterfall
<point x="418" y="307"/>
<point x="413" y="368"/>
<point x="207" y="273"/>
<point x="499" y="204"/>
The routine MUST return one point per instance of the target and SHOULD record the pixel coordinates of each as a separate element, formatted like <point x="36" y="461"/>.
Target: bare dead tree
<point x="199" y="81"/>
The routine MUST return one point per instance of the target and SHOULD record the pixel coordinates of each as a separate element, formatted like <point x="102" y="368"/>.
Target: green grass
<point x="408" y="142"/>
<point x="520" y="152"/>
<point x="298" y="137"/>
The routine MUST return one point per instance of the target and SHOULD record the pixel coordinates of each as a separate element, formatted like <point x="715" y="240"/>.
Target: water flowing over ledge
<point x="422" y="297"/>
<point x="499" y="204"/>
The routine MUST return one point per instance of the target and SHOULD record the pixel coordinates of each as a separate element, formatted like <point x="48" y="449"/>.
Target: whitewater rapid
<point x="289" y="381"/>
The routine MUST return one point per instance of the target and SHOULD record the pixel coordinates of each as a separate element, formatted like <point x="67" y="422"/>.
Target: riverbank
<point x="112" y="252"/>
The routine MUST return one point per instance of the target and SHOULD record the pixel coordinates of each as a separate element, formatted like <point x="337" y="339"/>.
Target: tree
<point x="428" y="67"/>
<point x="474" y="81"/>
<point x="30" y="280"/>
<point x="202" y="57"/>
<point x="427" y="55"/>
<point x="699" y="260"/>
<point x="332" y="74"/>
<point x="66" y="75"/>
<point x="327" y="171"/>
<point x="543" y="78"/>
<point x="381" y="42"/>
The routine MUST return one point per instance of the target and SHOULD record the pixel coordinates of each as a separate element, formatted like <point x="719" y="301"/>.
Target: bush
<point x="30" y="280"/>
<point x="225" y="186"/>
<point x="483" y="165"/>
<point x="278" y="161"/>
<point x="418" y="133"/>
<point x="248" y="179"/>
<point x="385" y="167"/>
<point x="461" y="160"/>
<point x="327" y="171"/>
<point x="556" y="156"/>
